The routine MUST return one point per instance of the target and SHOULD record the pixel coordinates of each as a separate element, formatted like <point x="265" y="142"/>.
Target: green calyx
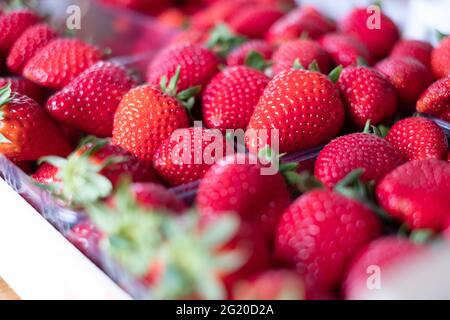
<point x="360" y="61"/>
<point x="256" y="61"/>
<point x="313" y="66"/>
<point x="335" y="73"/>
<point x="380" y="131"/>
<point x="222" y="40"/>
<point x="5" y="97"/>
<point x="421" y="236"/>
<point x="298" y="65"/>
<point x="440" y="35"/>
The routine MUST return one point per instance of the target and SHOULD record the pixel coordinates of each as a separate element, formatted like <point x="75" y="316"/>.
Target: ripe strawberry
<point x="418" y="139"/>
<point x="436" y="99"/>
<point x="198" y="65"/>
<point x="86" y="237"/>
<point x="440" y="59"/>
<point x="25" y="87"/>
<point x="60" y="61"/>
<point x="306" y="51"/>
<point x="155" y="196"/>
<point x="319" y="234"/>
<point x="379" y="40"/>
<point x="89" y="101"/>
<point x="420" y="50"/>
<point x="303" y="20"/>
<point x="386" y="253"/>
<point x="303" y="105"/>
<point x="46" y="174"/>
<point x="144" y="6"/>
<point x="26" y="131"/>
<point x="230" y="98"/>
<point x="367" y="95"/>
<point x="354" y="151"/>
<point x="12" y="25"/>
<point x="236" y="184"/>
<point x="409" y="77"/>
<point x="271" y="285"/>
<point x="238" y="56"/>
<point x="344" y="49"/>
<point x="217" y="13"/>
<point x="448" y="156"/>
<point x="189" y="37"/>
<point x="417" y="193"/>
<point x="25" y="47"/>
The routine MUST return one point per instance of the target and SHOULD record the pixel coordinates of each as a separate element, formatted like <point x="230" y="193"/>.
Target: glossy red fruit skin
<point x="344" y="49"/>
<point x="86" y="237"/>
<point x="303" y="105"/>
<point x="353" y="151"/>
<point x="198" y="65"/>
<point x="409" y="77"/>
<point x="45" y="174"/>
<point x="12" y="25"/>
<point x="386" y="253"/>
<point x="420" y="50"/>
<point x="153" y="195"/>
<point x="143" y="6"/>
<point x="306" y="51"/>
<point x="90" y="101"/>
<point x="189" y="37"/>
<point x="25" y="87"/>
<point x="60" y="61"/>
<point x="318" y="235"/>
<point x="31" y="131"/>
<point x="145" y="117"/>
<point x="436" y="100"/>
<point x="238" y="56"/>
<point x="25" y="47"/>
<point x="379" y="41"/>
<point x="230" y="98"/>
<point x="418" y="139"/>
<point x="367" y="95"/>
<point x="219" y="12"/>
<point x="440" y="59"/>
<point x="418" y="193"/>
<point x="235" y="184"/>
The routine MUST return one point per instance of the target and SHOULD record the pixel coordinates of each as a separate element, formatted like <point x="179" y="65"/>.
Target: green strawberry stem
<point x="256" y="61"/>
<point x="222" y="40"/>
<point x="335" y="73"/>
<point x="298" y="65"/>
<point x="314" y="66"/>
<point x="360" y="61"/>
<point x="380" y="131"/>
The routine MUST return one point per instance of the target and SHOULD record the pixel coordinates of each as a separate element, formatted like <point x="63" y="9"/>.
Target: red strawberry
<point x="306" y="51"/>
<point x="417" y="49"/>
<point x="303" y="20"/>
<point x="45" y="174"/>
<point x="25" y="47"/>
<point x="319" y="234"/>
<point x="367" y="95"/>
<point x="303" y="105"/>
<point x="440" y="59"/>
<point x="86" y="237"/>
<point x="60" y="61"/>
<point x="379" y="40"/>
<point x="356" y="151"/>
<point x="436" y="99"/>
<point x="387" y="254"/>
<point x="12" y="25"/>
<point x="238" y="56"/>
<point x="198" y="65"/>
<point x="189" y="37"/>
<point x="216" y="13"/>
<point x="344" y="49"/>
<point x="418" y="139"/>
<point x="89" y="102"/>
<point x="409" y="77"/>
<point x="230" y="98"/>
<point x="25" y="87"/>
<point x="26" y="131"/>
<point x="417" y="193"/>
<point x="271" y="285"/>
<point x="448" y="156"/>
<point x="236" y="184"/>
<point x="155" y="196"/>
<point x="143" y="6"/>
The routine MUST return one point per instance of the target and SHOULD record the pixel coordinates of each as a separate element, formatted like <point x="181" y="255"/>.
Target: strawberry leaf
<point x="256" y="61"/>
<point x="222" y="40"/>
<point x="4" y="139"/>
<point x="5" y="94"/>
<point x="298" y="65"/>
<point x="314" y="66"/>
<point x="335" y="73"/>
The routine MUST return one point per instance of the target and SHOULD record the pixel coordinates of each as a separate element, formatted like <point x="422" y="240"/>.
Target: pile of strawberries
<point x="101" y="140"/>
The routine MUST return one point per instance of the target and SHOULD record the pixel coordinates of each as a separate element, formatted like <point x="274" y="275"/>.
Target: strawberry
<point x="238" y="56"/>
<point x="418" y="139"/>
<point x="26" y="131"/>
<point x="155" y="196"/>
<point x="144" y="6"/>
<point x="409" y="77"/>
<point x="60" y="61"/>
<point x="303" y="20"/>
<point x="89" y="101"/>
<point x="25" y="87"/>
<point x="356" y="151"/>
<point x="303" y="50"/>
<point x="387" y="254"/>
<point x="420" y="50"/>
<point x="198" y="65"/>
<point x="25" y="47"/>
<point x="217" y="13"/>
<point x="319" y="233"/>
<point x="440" y="59"/>
<point x="46" y="174"/>
<point x="86" y="237"/>
<point x="448" y="156"/>
<point x="367" y="95"/>
<point x="253" y="21"/>
<point x="189" y="37"/>
<point x="417" y="193"/>
<point x="303" y="105"/>
<point x="379" y="40"/>
<point x="230" y="98"/>
<point x="271" y="285"/>
<point x="436" y="99"/>
<point x="12" y="25"/>
<point x="344" y="49"/>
